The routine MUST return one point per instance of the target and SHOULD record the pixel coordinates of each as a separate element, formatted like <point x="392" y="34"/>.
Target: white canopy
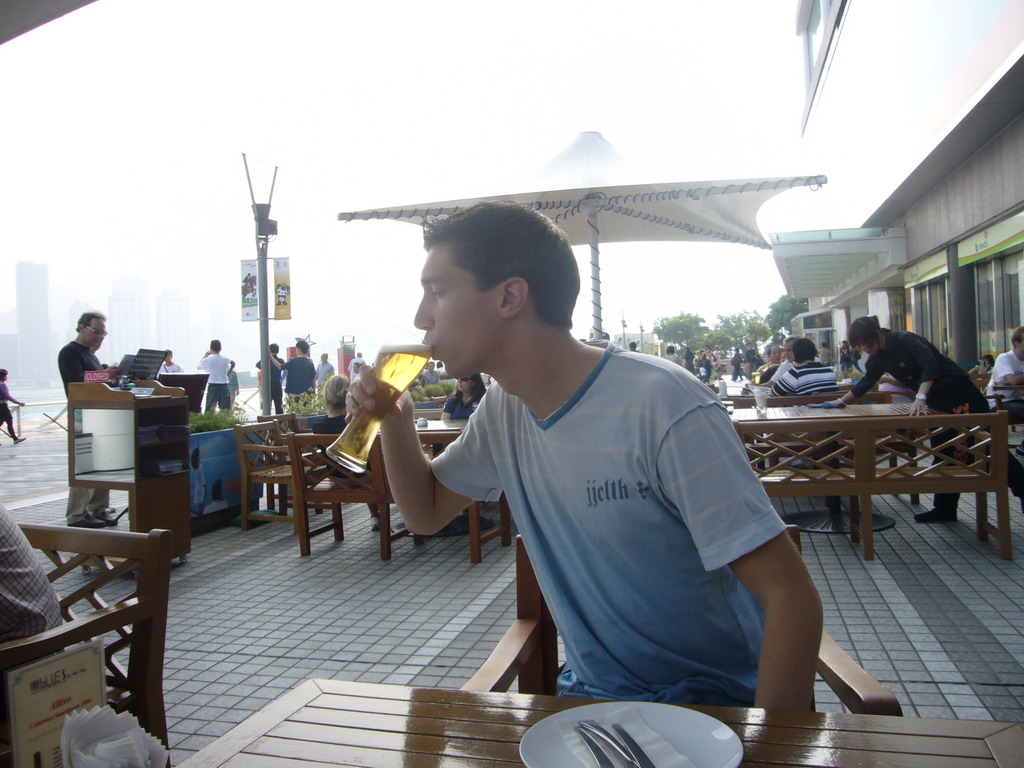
<point x="703" y="211"/>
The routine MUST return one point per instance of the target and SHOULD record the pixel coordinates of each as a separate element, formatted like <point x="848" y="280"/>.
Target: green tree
<point x="780" y="313"/>
<point x="743" y="328"/>
<point x="684" y="328"/>
<point x="716" y="339"/>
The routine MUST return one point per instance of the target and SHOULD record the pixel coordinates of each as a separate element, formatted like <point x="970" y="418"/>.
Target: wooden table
<point x="806" y="412"/>
<point x="325" y="723"/>
<point x="441" y="432"/>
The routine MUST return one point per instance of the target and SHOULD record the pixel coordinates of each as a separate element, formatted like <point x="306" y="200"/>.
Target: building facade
<point x="919" y="107"/>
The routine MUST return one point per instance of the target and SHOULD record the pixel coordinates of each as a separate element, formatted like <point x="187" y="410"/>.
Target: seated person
<point x="1009" y="371"/>
<point x="468" y="393"/>
<point x="807" y="376"/>
<point x="28" y="603"/>
<point x="765" y="373"/>
<point x="334" y="398"/>
<point x="985" y="365"/>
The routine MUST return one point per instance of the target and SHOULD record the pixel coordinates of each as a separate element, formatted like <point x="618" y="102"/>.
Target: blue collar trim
<point x="567" y="406"/>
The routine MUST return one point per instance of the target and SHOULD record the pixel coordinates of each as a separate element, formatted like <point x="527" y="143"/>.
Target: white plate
<point x="707" y="742"/>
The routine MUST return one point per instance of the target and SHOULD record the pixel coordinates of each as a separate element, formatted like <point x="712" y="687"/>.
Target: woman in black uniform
<point x="940" y="384"/>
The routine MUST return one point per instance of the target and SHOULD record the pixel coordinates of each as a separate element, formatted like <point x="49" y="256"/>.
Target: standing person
<point x="168" y="365"/>
<point x="324" y="370"/>
<point x="6" y="417"/>
<point x="276" y="364"/>
<point x="845" y="359"/>
<point x="354" y="365"/>
<point x="825" y="355"/>
<point x="750" y="361"/>
<point x="737" y="363"/>
<point x="299" y="372"/>
<point x="232" y="384"/>
<point x="671" y="356"/>
<point x="940" y="383"/>
<point x="214" y="363"/>
<point x="688" y="358"/>
<point x="87" y="507"/>
<point x="729" y="614"/>
<point x="430" y="374"/>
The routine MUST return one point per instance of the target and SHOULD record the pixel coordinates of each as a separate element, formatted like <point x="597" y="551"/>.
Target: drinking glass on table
<point x="396" y="368"/>
<point x="761" y="397"/>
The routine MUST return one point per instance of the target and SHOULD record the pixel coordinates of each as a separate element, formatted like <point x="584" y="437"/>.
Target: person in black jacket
<point x="940" y="383"/>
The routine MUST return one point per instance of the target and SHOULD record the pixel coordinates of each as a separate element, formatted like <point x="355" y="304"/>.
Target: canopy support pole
<point x="593" y="204"/>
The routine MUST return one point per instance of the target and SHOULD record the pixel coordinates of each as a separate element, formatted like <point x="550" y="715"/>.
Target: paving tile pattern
<point x="937" y="616"/>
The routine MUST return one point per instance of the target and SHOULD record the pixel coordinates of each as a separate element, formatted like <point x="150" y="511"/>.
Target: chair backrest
<point x="529" y="651"/>
<point x="131" y="612"/>
<point x="287" y="421"/>
<point x="981" y="380"/>
<point x="260" y="445"/>
<point x="316" y="478"/>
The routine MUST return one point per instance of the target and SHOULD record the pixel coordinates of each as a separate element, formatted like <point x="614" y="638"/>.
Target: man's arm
<point x="777" y="577"/>
<point x="426" y="504"/>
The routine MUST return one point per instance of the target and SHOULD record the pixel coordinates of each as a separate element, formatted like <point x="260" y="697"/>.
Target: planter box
<point x="215" y="480"/>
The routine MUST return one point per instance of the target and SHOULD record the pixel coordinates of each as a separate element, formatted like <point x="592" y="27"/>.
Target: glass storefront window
<point x="938" y="324"/>
<point x="1011" y="298"/>
<point x="987" y="340"/>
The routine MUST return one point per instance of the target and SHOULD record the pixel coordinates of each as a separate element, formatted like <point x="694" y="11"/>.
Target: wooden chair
<point x="318" y="480"/>
<point x="477" y="539"/>
<point x="980" y="380"/>
<point x="529" y="651"/>
<point x="263" y="457"/>
<point x="287" y="421"/>
<point x="135" y="619"/>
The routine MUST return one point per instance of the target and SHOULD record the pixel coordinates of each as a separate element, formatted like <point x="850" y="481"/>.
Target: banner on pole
<point x="282" y="290"/>
<point x="250" y="301"/>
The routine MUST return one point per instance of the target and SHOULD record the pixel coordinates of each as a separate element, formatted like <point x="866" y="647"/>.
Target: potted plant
<point x="307" y="407"/>
<point x="215" y="477"/>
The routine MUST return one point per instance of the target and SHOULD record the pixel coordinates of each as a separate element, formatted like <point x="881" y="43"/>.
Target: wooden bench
<point x="865" y="456"/>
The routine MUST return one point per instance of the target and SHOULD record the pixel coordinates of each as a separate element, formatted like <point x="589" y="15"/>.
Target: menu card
<point x="42" y="693"/>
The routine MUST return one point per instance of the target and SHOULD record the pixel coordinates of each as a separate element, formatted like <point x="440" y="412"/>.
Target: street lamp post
<point x="265" y="229"/>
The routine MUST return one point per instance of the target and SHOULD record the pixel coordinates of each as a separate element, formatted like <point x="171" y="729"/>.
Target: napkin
<point x="662" y="754"/>
<point x="101" y="738"/>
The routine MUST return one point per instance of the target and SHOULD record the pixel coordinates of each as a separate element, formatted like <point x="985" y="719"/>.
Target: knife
<point x="639" y="756"/>
<point x="595" y="729"/>
<point x="602" y="760"/>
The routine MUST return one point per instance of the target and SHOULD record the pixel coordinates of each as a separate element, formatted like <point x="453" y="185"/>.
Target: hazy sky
<point x="125" y="122"/>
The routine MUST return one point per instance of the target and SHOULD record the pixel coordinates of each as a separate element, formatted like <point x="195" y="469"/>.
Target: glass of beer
<point x="396" y="368"/>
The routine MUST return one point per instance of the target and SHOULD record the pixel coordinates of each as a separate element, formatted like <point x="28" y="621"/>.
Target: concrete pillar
<point x="963" y="317"/>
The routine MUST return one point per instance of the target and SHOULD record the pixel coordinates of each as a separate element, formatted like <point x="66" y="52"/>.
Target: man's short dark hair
<point x="670" y="350"/>
<point x="497" y="241"/>
<point x="274" y="349"/>
<point x="804" y="350"/>
<point x="215" y="345"/>
<point x="87" y="318"/>
<point x="302" y="346"/>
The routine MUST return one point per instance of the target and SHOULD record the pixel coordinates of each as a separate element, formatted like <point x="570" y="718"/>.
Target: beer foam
<point x="419" y="350"/>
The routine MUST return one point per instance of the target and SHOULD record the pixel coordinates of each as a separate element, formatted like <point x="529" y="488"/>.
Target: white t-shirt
<point x="632" y="500"/>
<point x="1007" y="364"/>
<point x="217" y="366"/>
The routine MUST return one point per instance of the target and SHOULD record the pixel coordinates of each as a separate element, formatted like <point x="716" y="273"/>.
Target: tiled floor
<point x="937" y="616"/>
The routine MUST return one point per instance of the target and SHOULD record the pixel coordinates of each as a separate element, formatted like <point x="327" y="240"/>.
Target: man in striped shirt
<point x="807" y="375"/>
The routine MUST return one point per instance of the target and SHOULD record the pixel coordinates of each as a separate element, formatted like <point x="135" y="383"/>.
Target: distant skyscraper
<point x="127" y="319"/>
<point x="32" y="288"/>
<point x="172" y="330"/>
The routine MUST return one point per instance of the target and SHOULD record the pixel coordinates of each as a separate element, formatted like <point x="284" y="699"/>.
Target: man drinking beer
<point x="665" y="566"/>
